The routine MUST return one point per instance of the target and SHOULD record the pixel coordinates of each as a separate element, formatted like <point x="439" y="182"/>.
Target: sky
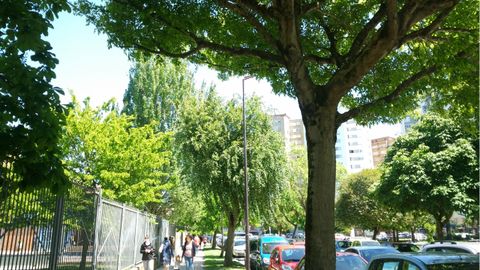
<point x="88" y="68"/>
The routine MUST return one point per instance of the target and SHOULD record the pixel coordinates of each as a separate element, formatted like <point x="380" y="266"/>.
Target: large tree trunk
<point x="214" y="238"/>
<point x="375" y="233"/>
<point x="232" y="223"/>
<point x="439" y="228"/>
<point x="320" y="218"/>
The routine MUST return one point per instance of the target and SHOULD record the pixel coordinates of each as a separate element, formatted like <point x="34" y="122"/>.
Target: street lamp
<point x="245" y="177"/>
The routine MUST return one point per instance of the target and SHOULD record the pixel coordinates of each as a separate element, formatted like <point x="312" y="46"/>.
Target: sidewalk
<point x="197" y="261"/>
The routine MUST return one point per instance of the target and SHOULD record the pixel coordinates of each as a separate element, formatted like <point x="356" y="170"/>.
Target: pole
<point x="245" y="177"/>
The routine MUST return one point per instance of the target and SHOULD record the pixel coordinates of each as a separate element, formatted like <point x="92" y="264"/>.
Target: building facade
<point x="292" y="131"/>
<point x="353" y="148"/>
<point x="379" y="149"/>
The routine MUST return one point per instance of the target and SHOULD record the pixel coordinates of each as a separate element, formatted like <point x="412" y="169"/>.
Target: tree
<point x="292" y="204"/>
<point x="357" y="204"/>
<point x="375" y="57"/>
<point x="31" y="115"/>
<point x="131" y="163"/>
<point x="210" y="147"/>
<point x="156" y="90"/>
<point x="434" y="168"/>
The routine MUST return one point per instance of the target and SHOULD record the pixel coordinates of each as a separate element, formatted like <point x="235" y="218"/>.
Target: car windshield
<point x="369" y="253"/>
<point x="268" y="247"/>
<point x="350" y="263"/>
<point x="453" y="266"/>
<point x="293" y="254"/>
<point x="239" y="243"/>
<point x="343" y="244"/>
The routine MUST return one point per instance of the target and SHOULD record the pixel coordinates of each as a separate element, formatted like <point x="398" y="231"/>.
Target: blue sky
<point x="89" y="68"/>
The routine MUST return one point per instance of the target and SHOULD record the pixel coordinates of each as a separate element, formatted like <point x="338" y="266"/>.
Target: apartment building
<point x="379" y="149"/>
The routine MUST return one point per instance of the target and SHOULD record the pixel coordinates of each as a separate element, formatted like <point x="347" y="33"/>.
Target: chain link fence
<point x="76" y="230"/>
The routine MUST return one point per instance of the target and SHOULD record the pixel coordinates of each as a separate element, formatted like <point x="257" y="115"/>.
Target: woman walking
<point x="167" y="253"/>
<point x="189" y="251"/>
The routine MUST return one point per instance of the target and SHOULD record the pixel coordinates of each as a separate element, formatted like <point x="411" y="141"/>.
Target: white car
<point x="239" y="247"/>
<point x="364" y="242"/>
<point x="460" y="247"/>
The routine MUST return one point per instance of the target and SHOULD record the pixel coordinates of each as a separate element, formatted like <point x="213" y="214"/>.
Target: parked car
<point x="367" y="252"/>
<point x="341" y="245"/>
<point x="286" y="257"/>
<point x="403" y="246"/>
<point x="364" y="242"/>
<point x="344" y="261"/>
<point x="461" y="247"/>
<point x="239" y="247"/>
<point x="261" y="248"/>
<point x="424" y="261"/>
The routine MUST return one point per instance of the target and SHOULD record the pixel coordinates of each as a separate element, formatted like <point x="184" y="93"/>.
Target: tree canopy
<point x="377" y="58"/>
<point x="31" y="115"/>
<point x="433" y="168"/>
<point x="156" y="90"/>
<point x="357" y="205"/>
<point x="131" y="163"/>
<point x="210" y="147"/>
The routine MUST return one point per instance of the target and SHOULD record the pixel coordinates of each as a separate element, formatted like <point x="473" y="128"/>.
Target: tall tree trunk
<point x="214" y="238"/>
<point x="375" y="233"/>
<point x="294" y="231"/>
<point x="439" y="228"/>
<point x="232" y="223"/>
<point x="320" y="218"/>
<point x="83" y="261"/>
<point x="412" y="232"/>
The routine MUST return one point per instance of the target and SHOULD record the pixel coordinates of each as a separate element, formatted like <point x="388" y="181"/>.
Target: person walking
<point x="189" y="250"/>
<point x="148" y="254"/>
<point x="166" y="253"/>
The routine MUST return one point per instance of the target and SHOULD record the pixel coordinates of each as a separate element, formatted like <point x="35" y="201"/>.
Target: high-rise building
<point x="297" y="133"/>
<point x="379" y="149"/>
<point x="353" y="148"/>
<point x="292" y="130"/>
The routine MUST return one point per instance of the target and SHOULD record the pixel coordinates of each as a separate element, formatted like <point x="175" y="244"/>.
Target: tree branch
<point x="310" y="7"/>
<point x="429" y="30"/>
<point x="392" y="19"/>
<point x="359" y="41"/>
<point x="336" y="57"/>
<point x="266" y="12"/>
<point x="319" y="60"/>
<point x="341" y="118"/>
<point x="241" y="10"/>
<point x="201" y="43"/>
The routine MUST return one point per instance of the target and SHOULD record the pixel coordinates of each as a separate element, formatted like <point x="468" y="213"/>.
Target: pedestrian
<point x="148" y="254"/>
<point x="189" y="250"/>
<point x="196" y="240"/>
<point x="166" y="251"/>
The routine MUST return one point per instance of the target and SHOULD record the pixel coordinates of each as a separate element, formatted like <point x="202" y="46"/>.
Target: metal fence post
<point x="120" y="238"/>
<point x="98" y="225"/>
<point x="136" y="238"/>
<point x="57" y="232"/>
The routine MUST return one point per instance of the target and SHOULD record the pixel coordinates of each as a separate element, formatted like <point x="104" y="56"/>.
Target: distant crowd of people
<point x="167" y="252"/>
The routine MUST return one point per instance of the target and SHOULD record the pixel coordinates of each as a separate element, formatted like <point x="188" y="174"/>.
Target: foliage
<point x="31" y="114"/>
<point x="131" y="163"/>
<point x="434" y="169"/>
<point x="210" y="148"/>
<point x="156" y="89"/>
<point x="357" y="205"/>
<point x="376" y="58"/>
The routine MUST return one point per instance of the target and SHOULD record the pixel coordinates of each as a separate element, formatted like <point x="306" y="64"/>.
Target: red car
<point x="286" y="257"/>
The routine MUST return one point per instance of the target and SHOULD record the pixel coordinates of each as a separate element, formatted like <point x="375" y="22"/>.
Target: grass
<point x="214" y="261"/>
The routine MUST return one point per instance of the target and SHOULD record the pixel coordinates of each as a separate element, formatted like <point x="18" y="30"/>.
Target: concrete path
<point x="197" y="261"/>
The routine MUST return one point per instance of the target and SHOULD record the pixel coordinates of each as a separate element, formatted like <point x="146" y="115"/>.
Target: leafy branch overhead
<point x="301" y="41"/>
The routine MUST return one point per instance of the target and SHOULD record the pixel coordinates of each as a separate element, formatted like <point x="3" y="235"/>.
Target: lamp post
<point x="245" y="177"/>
